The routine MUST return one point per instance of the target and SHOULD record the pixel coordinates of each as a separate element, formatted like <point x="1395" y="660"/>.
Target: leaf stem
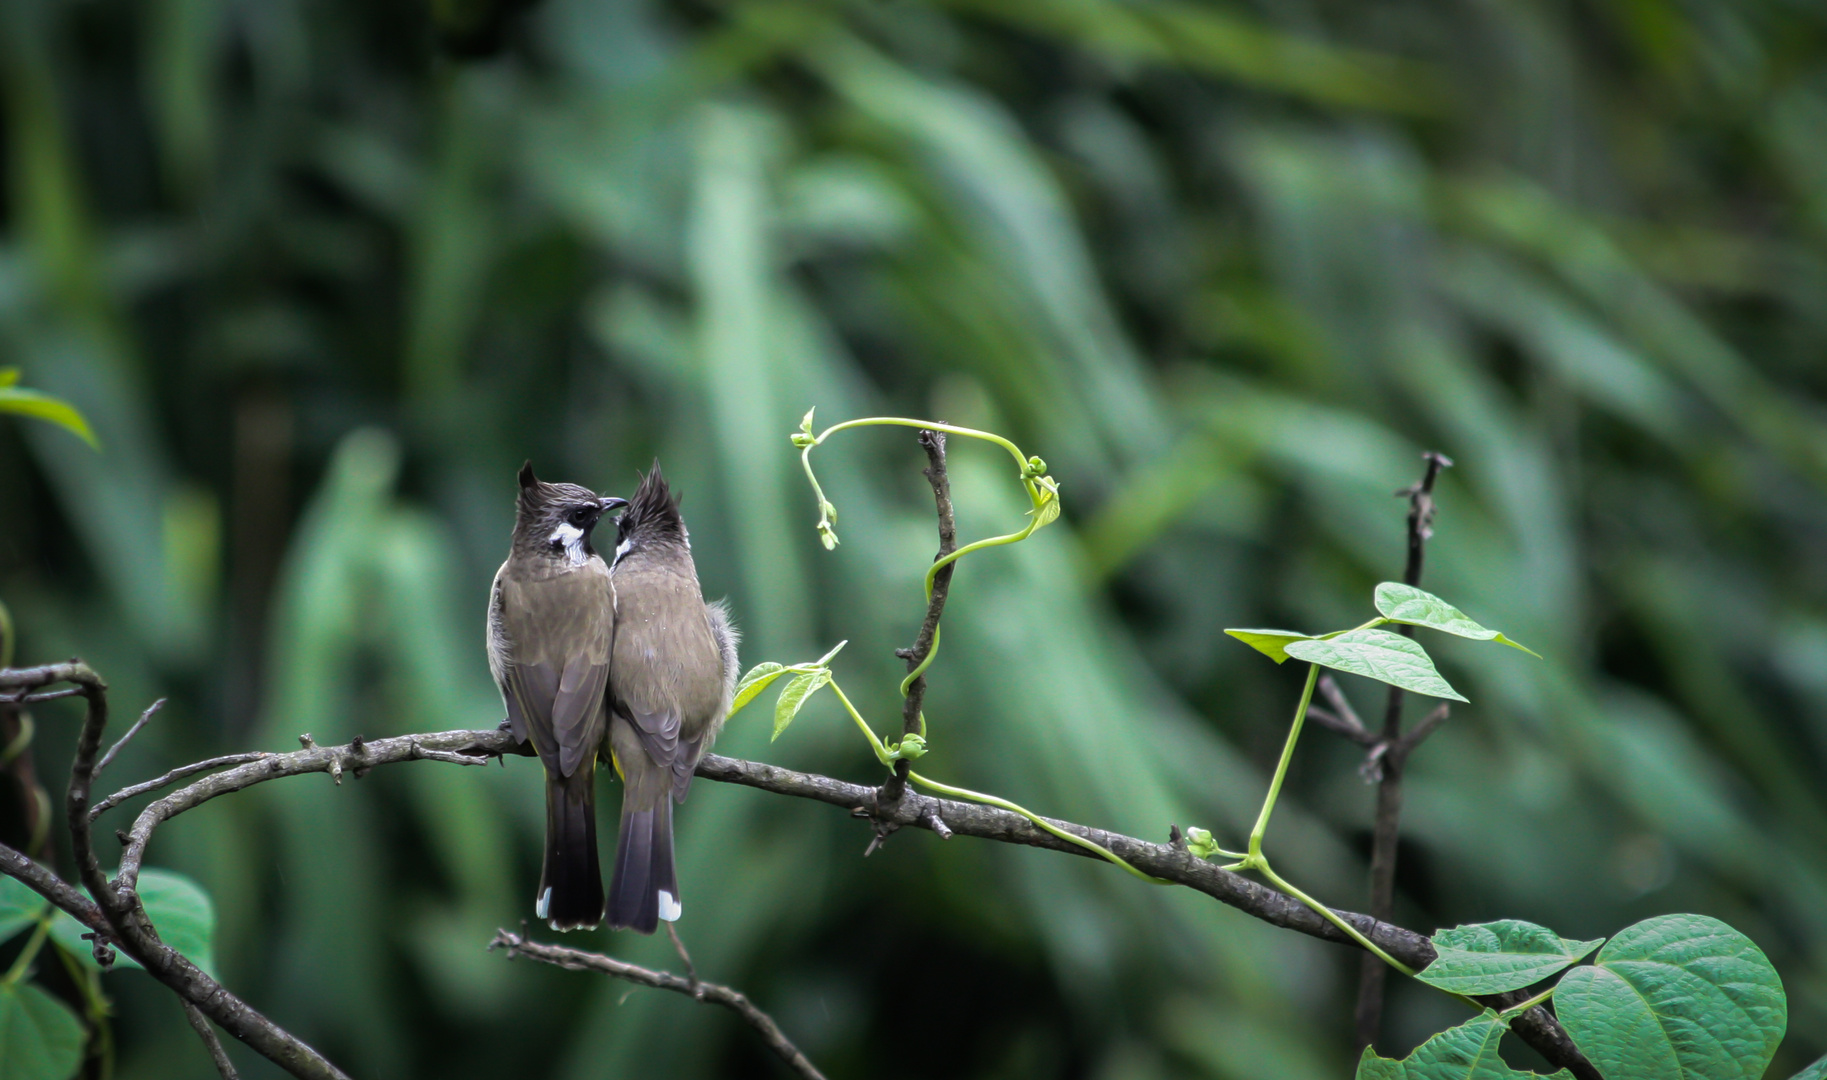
<point x="881" y="751"/>
<point x="1281" y="767"/>
<point x="30" y="952"/>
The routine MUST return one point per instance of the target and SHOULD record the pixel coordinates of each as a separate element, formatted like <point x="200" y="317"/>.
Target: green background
<point x="321" y="275"/>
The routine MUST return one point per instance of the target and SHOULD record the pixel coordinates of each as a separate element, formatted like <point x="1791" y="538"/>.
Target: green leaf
<point x="1271" y="643"/>
<point x="1490" y="958"/>
<point x="25" y="402"/>
<point x="179" y="909"/>
<point x="1048" y="510"/>
<point x="754" y="683"/>
<point x="1816" y="1071"/>
<point x="8" y="376"/>
<point x="1380" y="655"/>
<point x="19" y="906"/>
<point x="793" y="698"/>
<point x="1407" y="604"/>
<point x="1676" y="997"/>
<point x="41" y="1038"/>
<point x="1467" y="1052"/>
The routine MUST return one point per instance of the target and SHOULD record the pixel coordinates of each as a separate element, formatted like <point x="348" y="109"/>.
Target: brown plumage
<point x="671" y="674"/>
<point x="550" y="631"/>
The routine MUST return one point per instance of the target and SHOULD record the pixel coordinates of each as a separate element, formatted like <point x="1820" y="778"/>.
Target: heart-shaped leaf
<point x="179" y="909"/>
<point x="1490" y="958"/>
<point x="753" y="683"/>
<point x="1467" y="1052"/>
<point x="1407" y="604"/>
<point x="1379" y="655"/>
<point x="19" y="906"/>
<point x="1676" y="997"/>
<point x="1271" y="643"/>
<point x="40" y="1037"/>
<point x="793" y="698"/>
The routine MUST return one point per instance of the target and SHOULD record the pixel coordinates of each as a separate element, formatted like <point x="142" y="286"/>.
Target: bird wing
<point x="554" y="701"/>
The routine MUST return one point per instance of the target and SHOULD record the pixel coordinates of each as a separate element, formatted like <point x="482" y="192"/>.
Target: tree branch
<point x="933" y="442"/>
<point x="124" y="919"/>
<point x="713" y="993"/>
<point x="200" y="1024"/>
<point x="1385" y="762"/>
<point x="1537" y="1027"/>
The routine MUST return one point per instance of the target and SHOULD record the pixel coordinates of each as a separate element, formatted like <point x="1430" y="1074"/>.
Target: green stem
<point x="881" y="751"/>
<point x="29" y="953"/>
<point x="1261" y="866"/>
<point x="1281" y="767"/>
<point x="992" y="800"/>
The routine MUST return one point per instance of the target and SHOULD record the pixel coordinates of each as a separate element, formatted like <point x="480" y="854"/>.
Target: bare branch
<point x="712" y="993"/>
<point x="1385" y="767"/>
<point x="933" y="442"/>
<point x="173" y="777"/>
<point x="200" y="1024"/>
<point x="1334" y="722"/>
<point x="123" y="918"/>
<point x="1419" y="733"/>
<point x="131" y="732"/>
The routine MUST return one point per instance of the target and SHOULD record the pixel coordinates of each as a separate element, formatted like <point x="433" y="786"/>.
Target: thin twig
<point x="712" y="993"/>
<point x="1334" y="722"/>
<point x="200" y="1024"/>
<point x="1335" y="697"/>
<point x="131" y="732"/>
<point x="933" y="442"/>
<point x="1386" y="766"/>
<point x="34" y="699"/>
<point x="691" y="970"/>
<point x="173" y="777"/>
<point x="1419" y="733"/>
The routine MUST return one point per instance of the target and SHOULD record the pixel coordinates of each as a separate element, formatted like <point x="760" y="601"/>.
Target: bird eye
<point x="578" y="516"/>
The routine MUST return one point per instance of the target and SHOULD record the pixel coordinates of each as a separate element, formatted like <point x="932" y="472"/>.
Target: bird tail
<point x="644" y="887"/>
<point x="571" y="884"/>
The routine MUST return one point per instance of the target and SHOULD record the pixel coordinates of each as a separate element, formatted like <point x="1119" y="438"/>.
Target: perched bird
<point x="550" y="628"/>
<point x="671" y="675"/>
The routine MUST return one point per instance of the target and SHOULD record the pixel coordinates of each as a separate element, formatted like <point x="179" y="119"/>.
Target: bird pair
<point x="621" y="659"/>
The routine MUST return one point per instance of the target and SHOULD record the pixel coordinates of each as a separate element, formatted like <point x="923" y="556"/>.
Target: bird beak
<point x="611" y="502"/>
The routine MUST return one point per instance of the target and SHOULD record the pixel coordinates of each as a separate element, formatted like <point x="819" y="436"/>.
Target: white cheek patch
<point x="621" y="549"/>
<point x="571" y="538"/>
<point x="670" y="909"/>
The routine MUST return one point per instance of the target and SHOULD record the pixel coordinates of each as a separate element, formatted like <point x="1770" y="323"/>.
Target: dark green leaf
<point x="1407" y="604"/>
<point x="793" y="698"/>
<point x="754" y="683"/>
<point x="1379" y="655"/>
<point x="1271" y="643"/>
<point x="1490" y="958"/>
<point x="1676" y="997"/>
<point x="1467" y="1052"/>
<point x="179" y="909"/>
<point x="19" y="906"/>
<point x="40" y="1037"/>
<point x="16" y="399"/>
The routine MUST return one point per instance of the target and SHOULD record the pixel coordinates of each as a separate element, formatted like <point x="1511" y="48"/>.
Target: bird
<point x="672" y="673"/>
<point x="550" y="630"/>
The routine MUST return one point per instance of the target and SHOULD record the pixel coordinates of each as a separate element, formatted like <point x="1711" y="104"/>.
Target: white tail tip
<point x="670" y="909"/>
<point x="545" y="903"/>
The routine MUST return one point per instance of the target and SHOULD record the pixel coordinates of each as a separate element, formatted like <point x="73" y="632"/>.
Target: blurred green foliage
<point x="321" y="275"/>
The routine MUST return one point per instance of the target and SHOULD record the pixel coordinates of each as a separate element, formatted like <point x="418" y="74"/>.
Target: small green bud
<point x="805" y="425"/>
<point x="801" y="440"/>
<point x="911" y="747"/>
<point x="1036" y="467"/>
<point x="1200" y="843"/>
